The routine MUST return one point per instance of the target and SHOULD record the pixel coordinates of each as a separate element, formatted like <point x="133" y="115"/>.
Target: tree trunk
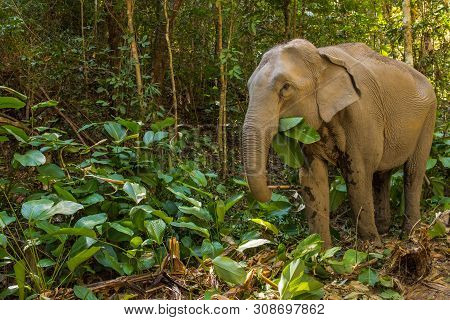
<point x="287" y="19"/>
<point x="113" y="18"/>
<point x="222" y="133"/>
<point x="135" y="57"/>
<point x="294" y="19"/>
<point x="408" y="33"/>
<point x="159" y="61"/>
<point x="172" y="75"/>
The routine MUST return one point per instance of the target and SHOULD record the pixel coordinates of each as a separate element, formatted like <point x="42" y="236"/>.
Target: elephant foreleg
<point x="380" y="183"/>
<point x="315" y="193"/>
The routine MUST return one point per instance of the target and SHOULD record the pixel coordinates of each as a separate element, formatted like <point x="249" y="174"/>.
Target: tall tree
<point x="135" y="57"/>
<point x="172" y="75"/>
<point x="222" y="132"/>
<point x="406" y="5"/>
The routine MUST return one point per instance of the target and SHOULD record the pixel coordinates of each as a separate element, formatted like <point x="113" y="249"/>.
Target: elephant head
<point x="292" y="80"/>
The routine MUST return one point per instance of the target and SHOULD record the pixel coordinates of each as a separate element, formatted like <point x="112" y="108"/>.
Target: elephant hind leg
<point x="380" y="185"/>
<point x="414" y="172"/>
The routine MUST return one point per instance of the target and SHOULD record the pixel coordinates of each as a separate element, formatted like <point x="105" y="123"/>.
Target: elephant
<point x="373" y="113"/>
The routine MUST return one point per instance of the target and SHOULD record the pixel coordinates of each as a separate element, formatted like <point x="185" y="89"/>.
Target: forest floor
<point x="418" y="266"/>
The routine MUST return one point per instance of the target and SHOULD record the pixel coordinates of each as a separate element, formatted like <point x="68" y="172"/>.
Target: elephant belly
<point x="400" y="142"/>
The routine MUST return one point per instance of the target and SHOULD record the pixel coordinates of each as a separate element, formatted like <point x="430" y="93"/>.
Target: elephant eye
<point x="285" y="89"/>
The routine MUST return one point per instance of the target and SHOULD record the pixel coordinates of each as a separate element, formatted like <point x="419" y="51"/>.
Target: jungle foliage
<point x="104" y="175"/>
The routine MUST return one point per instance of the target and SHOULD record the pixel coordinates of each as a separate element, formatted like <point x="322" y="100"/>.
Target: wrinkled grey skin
<point x="373" y="114"/>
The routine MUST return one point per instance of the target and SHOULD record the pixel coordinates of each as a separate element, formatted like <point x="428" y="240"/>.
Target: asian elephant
<point x="373" y="114"/>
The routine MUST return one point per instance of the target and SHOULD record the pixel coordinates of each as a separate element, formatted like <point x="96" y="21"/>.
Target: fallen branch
<point x="283" y="187"/>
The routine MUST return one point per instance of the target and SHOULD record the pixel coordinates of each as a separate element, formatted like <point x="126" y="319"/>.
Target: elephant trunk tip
<point x="263" y="196"/>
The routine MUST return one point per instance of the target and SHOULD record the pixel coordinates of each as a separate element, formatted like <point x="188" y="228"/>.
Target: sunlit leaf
<point x="31" y="158"/>
<point x="135" y="191"/>
<point x="155" y="229"/>
<point x="266" y="225"/>
<point x="192" y="226"/>
<point x="229" y="270"/>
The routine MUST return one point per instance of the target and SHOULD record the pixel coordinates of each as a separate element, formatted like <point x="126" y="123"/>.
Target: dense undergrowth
<point x="72" y="213"/>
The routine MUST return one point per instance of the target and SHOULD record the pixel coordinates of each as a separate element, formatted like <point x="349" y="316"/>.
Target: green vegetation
<point x="92" y="188"/>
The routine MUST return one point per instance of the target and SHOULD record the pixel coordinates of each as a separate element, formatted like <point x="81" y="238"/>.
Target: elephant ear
<point x="337" y="86"/>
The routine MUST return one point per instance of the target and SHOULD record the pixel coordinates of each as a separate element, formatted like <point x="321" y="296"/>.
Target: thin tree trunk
<point x="294" y="19"/>
<point x="172" y="75"/>
<point x="406" y="5"/>
<point x="85" y="67"/>
<point x="135" y="57"/>
<point x="221" y="134"/>
<point x="287" y="20"/>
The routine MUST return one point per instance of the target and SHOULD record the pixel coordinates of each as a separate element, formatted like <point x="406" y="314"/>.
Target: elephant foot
<point x="383" y="227"/>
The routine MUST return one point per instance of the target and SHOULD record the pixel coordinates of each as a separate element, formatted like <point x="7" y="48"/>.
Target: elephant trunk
<point x="257" y="137"/>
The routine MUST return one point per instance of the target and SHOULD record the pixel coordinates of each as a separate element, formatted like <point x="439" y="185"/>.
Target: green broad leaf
<point x="5" y="219"/>
<point x="155" y="229"/>
<point x="91" y="221"/>
<point x="330" y="253"/>
<point x="267" y="225"/>
<point x="45" y="104"/>
<point x="51" y="170"/>
<point x="92" y="199"/>
<point x="75" y="232"/>
<point x="253" y="244"/>
<point x="45" y="263"/>
<point x="11" y="103"/>
<point x="149" y="137"/>
<point x="211" y="249"/>
<point x="390" y="294"/>
<point x="133" y="126"/>
<point x="50" y="228"/>
<point x="167" y="122"/>
<point x="233" y="200"/>
<point x="32" y="158"/>
<point x="431" y="163"/>
<point x="229" y="270"/>
<point x="14" y="92"/>
<point x="303" y="133"/>
<point x="83" y="293"/>
<point x="120" y="228"/>
<point x="220" y="211"/>
<point x="308" y="247"/>
<point x="306" y="288"/>
<point x="81" y="257"/>
<point x="3" y="139"/>
<point x="135" y="191"/>
<point x="150" y="211"/>
<point x="136" y="242"/>
<point x="33" y="209"/>
<point x="116" y="131"/>
<point x="368" y="276"/>
<point x="292" y="271"/>
<point x="192" y="226"/>
<point x="199" y="178"/>
<point x="63" y="193"/>
<point x="386" y="281"/>
<point x="437" y="230"/>
<point x="107" y="257"/>
<point x="445" y="161"/>
<point x="3" y="240"/>
<point x="160" y="135"/>
<point x="200" y="213"/>
<point x="184" y="197"/>
<point x="288" y="123"/>
<point x="19" y="273"/>
<point x="289" y="150"/>
<point x="64" y="207"/>
<point x="16" y="132"/>
<point x="352" y="258"/>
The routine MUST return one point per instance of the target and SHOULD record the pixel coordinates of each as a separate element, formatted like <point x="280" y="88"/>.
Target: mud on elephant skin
<point x="373" y="113"/>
